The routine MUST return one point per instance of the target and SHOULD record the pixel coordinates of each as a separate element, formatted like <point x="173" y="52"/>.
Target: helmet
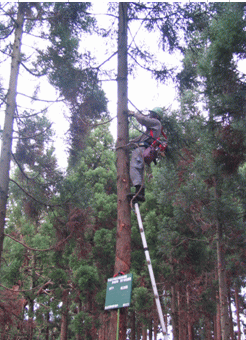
<point x="156" y="112"/>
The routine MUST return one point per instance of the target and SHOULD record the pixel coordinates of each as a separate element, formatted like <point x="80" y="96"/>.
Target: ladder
<point x="151" y="273"/>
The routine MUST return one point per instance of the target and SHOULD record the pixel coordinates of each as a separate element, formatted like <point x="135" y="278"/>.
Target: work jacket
<point x="153" y="129"/>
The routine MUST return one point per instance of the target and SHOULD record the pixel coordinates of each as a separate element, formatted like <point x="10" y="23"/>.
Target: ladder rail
<point x="151" y="273"/>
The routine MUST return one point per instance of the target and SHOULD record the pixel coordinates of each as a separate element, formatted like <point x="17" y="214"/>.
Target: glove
<point x="131" y="113"/>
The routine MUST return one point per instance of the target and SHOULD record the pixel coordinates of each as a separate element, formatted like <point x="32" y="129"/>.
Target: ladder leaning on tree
<point x="151" y="273"/>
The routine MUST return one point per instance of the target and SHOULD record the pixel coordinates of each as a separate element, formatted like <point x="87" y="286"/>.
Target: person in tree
<point x="146" y="148"/>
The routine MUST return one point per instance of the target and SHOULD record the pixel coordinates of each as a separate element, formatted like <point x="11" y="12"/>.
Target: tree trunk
<point x="217" y="321"/>
<point x="155" y="321"/>
<point x="208" y="333"/>
<point x="30" y="319"/>
<point x="174" y="313"/>
<point x="123" y="236"/>
<point x="189" y="324"/>
<point x="138" y="330"/>
<point x="47" y="332"/>
<point x="64" y="318"/>
<point x="144" y="332"/>
<point x="182" y="314"/>
<point x="231" y="317"/>
<point x="238" y="315"/>
<point x="79" y="336"/>
<point x="103" y="332"/>
<point x="133" y="325"/>
<point x="9" y="120"/>
<point x="223" y="301"/>
<point x="150" y="329"/>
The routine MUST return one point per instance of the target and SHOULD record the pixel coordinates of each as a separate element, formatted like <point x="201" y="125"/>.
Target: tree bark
<point x="123" y="236"/>
<point x="104" y="331"/>
<point x="155" y="322"/>
<point x="174" y="313"/>
<point x="9" y="120"/>
<point x="133" y="325"/>
<point x="238" y="315"/>
<point x="230" y="316"/>
<point x="217" y="324"/>
<point x="189" y="324"/>
<point x="64" y="318"/>
<point x="182" y="321"/>
<point x="47" y="331"/>
<point x="208" y="333"/>
<point x="144" y="332"/>
<point x="223" y="300"/>
<point x="150" y="328"/>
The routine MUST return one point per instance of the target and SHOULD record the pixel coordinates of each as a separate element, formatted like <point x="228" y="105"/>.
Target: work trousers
<point x="137" y="167"/>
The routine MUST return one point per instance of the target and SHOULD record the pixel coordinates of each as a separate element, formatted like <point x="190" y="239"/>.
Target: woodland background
<point x="58" y="228"/>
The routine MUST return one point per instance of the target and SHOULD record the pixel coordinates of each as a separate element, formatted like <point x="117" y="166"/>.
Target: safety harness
<point x="154" y="148"/>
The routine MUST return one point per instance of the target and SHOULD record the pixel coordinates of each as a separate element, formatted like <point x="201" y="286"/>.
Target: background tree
<point x="61" y="47"/>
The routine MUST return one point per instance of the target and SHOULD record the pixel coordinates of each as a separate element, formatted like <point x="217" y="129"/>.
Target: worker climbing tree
<point x="147" y="147"/>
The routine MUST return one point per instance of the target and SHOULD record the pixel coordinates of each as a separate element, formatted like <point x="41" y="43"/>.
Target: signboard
<point x="119" y="290"/>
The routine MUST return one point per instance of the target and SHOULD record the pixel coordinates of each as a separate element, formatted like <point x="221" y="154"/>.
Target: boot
<point x="140" y="194"/>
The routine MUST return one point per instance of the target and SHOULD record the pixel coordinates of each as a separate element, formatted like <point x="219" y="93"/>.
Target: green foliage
<point x="82" y="323"/>
<point x="142" y="299"/>
<point x="104" y="245"/>
<point x="86" y="277"/>
<point x="200" y="183"/>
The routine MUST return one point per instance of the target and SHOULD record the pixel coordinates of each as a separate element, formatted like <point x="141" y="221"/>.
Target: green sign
<point x="119" y="290"/>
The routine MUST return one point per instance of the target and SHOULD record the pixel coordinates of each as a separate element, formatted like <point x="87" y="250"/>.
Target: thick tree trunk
<point x="208" y="333"/>
<point x="9" y="120"/>
<point x="217" y="323"/>
<point x="174" y="313"/>
<point x="223" y="300"/>
<point x="238" y="315"/>
<point x="79" y="336"/>
<point x="47" y="332"/>
<point x="144" y="328"/>
<point x="138" y="330"/>
<point x="150" y="329"/>
<point x="230" y="315"/>
<point x="183" y="331"/>
<point x="133" y="326"/>
<point x="144" y="332"/>
<point x="189" y="324"/>
<point x="155" y="322"/>
<point x="104" y="331"/>
<point x="64" y="318"/>
<point x="123" y="236"/>
<point x="30" y="319"/>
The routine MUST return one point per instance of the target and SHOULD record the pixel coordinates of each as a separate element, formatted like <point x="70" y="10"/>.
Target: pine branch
<point x="34" y="136"/>
<point x="32" y="197"/>
<point x="34" y="249"/>
<point x="105" y="61"/>
<point x="25" y="290"/>
<point x="41" y="100"/>
<point x="31" y="72"/>
<point x="21" y="170"/>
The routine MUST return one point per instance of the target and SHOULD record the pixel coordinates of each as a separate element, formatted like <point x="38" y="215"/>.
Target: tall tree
<point x="63" y="22"/>
<point x="9" y="118"/>
<point x="214" y="58"/>
<point x="123" y="239"/>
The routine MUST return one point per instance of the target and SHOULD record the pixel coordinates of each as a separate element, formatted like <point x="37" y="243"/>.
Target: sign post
<point x="118" y="295"/>
<point x="119" y="290"/>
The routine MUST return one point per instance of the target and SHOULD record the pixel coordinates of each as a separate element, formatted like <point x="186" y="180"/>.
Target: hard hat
<point x="157" y="110"/>
<point x="156" y="113"/>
